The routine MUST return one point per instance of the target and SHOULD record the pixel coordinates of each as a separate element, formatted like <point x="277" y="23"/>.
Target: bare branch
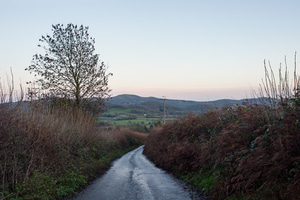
<point x="69" y="67"/>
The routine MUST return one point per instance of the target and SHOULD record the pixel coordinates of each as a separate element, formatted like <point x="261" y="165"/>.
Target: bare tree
<point x="69" y="68"/>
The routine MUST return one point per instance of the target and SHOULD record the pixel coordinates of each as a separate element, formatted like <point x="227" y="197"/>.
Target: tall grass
<point x="49" y="150"/>
<point x="249" y="151"/>
<point x="278" y="92"/>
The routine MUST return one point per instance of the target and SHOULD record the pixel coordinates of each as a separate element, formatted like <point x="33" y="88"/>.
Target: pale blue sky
<point x="188" y="49"/>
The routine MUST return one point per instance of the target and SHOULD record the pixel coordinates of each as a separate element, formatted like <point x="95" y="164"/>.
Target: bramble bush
<point x="249" y="151"/>
<point x="233" y="152"/>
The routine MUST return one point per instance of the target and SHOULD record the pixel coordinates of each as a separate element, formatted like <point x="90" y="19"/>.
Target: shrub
<point x="233" y="152"/>
<point x="41" y="146"/>
<point x="249" y="151"/>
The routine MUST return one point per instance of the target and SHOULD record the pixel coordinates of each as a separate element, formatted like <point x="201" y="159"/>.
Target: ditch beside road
<point x="134" y="177"/>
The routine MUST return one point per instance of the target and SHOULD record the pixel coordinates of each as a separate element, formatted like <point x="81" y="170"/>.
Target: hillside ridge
<point x="135" y="99"/>
<point x="131" y="100"/>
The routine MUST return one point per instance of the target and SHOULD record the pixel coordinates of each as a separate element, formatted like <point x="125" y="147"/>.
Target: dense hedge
<point x="246" y="151"/>
<point x="49" y="152"/>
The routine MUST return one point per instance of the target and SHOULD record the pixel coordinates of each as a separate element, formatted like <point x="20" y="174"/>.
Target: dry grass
<point x="36" y="136"/>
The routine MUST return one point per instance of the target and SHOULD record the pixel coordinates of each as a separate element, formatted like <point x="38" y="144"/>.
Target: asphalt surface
<point x="134" y="177"/>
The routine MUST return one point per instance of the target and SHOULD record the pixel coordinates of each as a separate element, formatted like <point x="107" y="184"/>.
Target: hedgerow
<point x="249" y="151"/>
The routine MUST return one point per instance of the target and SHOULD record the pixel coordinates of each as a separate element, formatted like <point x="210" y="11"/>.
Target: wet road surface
<point x="134" y="177"/>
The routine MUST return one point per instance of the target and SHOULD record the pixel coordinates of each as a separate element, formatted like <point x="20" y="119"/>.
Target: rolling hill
<point x="172" y="106"/>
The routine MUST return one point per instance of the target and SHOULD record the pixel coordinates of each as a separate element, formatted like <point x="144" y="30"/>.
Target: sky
<point x="198" y="50"/>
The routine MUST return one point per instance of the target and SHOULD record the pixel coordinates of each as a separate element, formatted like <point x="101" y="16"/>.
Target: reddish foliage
<point x="53" y="141"/>
<point x="258" y="157"/>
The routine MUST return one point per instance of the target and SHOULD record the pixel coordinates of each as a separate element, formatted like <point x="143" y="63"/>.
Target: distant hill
<point x="132" y="99"/>
<point x="182" y="106"/>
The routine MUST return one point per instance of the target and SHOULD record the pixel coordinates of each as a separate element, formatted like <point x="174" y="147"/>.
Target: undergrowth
<point x="49" y="151"/>
<point x="233" y="151"/>
<point x="249" y="151"/>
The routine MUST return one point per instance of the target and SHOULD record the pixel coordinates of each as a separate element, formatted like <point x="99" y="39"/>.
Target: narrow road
<point x="134" y="177"/>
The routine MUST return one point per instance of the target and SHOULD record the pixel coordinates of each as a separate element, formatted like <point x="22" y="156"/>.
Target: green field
<point x="114" y="111"/>
<point x="133" y="118"/>
<point x="124" y="122"/>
